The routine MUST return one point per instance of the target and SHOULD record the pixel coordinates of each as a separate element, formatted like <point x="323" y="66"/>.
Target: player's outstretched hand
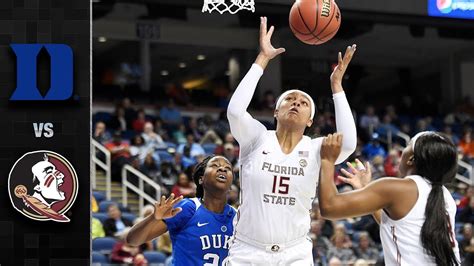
<point x="266" y="47"/>
<point x="164" y="208"/>
<point x="359" y="176"/>
<point x="331" y="147"/>
<point x="342" y="63"/>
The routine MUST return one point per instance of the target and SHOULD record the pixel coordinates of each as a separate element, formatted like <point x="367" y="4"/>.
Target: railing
<point x="140" y="190"/>
<point x="469" y="180"/>
<point x="469" y="169"/>
<point x="106" y="166"/>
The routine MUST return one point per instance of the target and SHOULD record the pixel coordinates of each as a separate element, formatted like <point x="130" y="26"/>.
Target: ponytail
<point x="435" y="158"/>
<point x="436" y="231"/>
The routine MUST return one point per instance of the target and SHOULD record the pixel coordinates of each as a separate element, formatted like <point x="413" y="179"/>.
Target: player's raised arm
<point x="344" y="120"/>
<point x="153" y="225"/>
<point x="243" y="127"/>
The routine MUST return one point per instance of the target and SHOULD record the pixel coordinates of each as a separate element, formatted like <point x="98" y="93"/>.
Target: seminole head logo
<point x="43" y="186"/>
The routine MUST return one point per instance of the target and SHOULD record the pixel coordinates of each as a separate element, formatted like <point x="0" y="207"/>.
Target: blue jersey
<point x="199" y="236"/>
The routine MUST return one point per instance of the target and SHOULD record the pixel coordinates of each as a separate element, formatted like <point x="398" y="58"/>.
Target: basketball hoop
<point x="232" y="6"/>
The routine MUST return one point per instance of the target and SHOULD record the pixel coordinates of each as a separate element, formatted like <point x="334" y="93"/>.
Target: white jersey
<point x="277" y="189"/>
<point x="401" y="238"/>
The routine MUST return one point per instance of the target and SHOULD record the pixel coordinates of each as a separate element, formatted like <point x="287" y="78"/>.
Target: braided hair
<point x="198" y="172"/>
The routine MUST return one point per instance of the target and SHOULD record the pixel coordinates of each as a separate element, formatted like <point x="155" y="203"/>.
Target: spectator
<point x="195" y="149"/>
<point x="167" y="176"/>
<point x="159" y="130"/>
<point x="467" y="197"/>
<point x="140" y="121"/>
<point x="118" y="121"/>
<point x="340" y="227"/>
<point x="115" y="224"/>
<point x="387" y="127"/>
<point x="171" y="115"/>
<point x="139" y="150"/>
<point x="321" y="243"/>
<point x="373" y="148"/>
<point x="391" y="163"/>
<point x="227" y="139"/>
<point x="221" y="126"/>
<point x="101" y="134"/>
<point x="334" y="261"/>
<point x="229" y="153"/>
<point x="448" y="131"/>
<point x="467" y="214"/>
<point x="406" y="129"/>
<point x="151" y="138"/>
<point x="193" y="129"/>
<point x="369" y="120"/>
<point x="179" y="135"/>
<point x="124" y="253"/>
<point x="337" y="249"/>
<point x="467" y="235"/>
<point x="150" y="165"/>
<point x="120" y="151"/>
<point x="184" y="187"/>
<point x="129" y="112"/>
<point x="269" y="100"/>
<point x="391" y="112"/>
<point x="211" y="137"/>
<point x="97" y="230"/>
<point x="364" y="250"/>
<point x="466" y="145"/>
<point x="233" y="197"/>
<point x="377" y="164"/>
<point x="164" y="244"/>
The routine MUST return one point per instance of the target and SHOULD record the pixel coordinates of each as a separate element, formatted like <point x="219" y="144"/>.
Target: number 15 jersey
<point x="277" y="190"/>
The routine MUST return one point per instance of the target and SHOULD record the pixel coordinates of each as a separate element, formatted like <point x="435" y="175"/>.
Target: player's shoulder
<point x="188" y="204"/>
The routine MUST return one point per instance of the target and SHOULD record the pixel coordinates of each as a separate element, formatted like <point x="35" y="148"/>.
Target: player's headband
<point x="282" y="97"/>
<point x="415" y="138"/>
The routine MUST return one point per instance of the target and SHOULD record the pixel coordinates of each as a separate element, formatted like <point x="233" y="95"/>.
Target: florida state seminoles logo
<point x="43" y="186"/>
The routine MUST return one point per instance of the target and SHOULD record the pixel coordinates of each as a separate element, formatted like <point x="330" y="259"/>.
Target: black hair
<point x="435" y="159"/>
<point x="198" y="172"/>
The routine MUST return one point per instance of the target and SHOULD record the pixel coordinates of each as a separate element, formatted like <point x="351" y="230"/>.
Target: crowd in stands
<point x="166" y="146"/>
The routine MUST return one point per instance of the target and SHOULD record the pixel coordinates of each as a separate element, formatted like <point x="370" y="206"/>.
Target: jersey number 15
<point x="281" y="186"/>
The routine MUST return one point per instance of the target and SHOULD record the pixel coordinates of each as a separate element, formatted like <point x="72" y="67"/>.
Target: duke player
<point x="417" y="217"/>
<point x="200" y="228"/>
<point x="279" y="169"/>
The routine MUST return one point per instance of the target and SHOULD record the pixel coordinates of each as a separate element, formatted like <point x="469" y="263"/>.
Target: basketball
<point x="315" y="21"/>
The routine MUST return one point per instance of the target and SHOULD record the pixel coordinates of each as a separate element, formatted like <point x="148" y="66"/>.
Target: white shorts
<point x="298" y="253"/>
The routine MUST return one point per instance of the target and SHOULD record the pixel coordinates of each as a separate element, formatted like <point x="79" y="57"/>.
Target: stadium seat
<point x="103" y="245"/>
<point x="99" y="196"/>
<point x="101" y="216"/>
<point x="101" y="116"/>
<point x="209" y="148"/>
<point x="103" y="205"/>
<point x="98" y="258"/>
<point x="170" y="145"/>
<point x="154" y="257"/>
<point x="164" y="156"/>
<point x="129" y="216"/>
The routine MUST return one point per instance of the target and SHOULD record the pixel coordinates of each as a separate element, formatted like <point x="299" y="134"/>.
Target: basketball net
<point x="232" y="6"/>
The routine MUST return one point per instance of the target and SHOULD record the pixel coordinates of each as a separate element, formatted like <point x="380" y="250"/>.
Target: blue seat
<point x="103" y="245"/>
<point x="103" y="205"/>
<point x="99" y="196"/>
<point x="129" y="216"/>
<point x="154" y="257"/>
<point x="164" y="156"/>
<point x="98" y="257"/>
<point x="209" y="148"/>
<point x="101" y="216"/>
<point x="170" y="144"/>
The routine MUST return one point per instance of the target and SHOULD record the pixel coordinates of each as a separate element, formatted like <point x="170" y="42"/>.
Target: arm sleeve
<point x="176" y="223"/>
<point x="245" y="129"/>
<point x="345" y="124"/>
